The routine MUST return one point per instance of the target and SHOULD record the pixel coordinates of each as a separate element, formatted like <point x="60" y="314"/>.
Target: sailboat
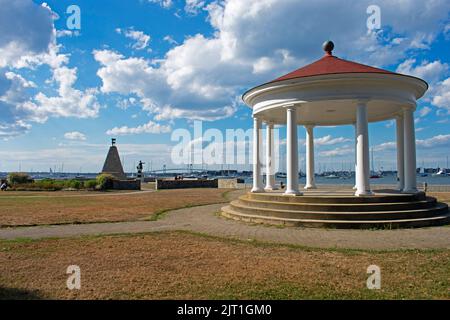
<point x="423" y="173"/>
<point x="440" y="173"/>
<point x="373" y="174"/>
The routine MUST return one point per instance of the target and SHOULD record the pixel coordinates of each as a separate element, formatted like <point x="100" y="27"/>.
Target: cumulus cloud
<point x="75" y="135"/>
<point x="435" y="141"/>
<point x="141" y="39"/>
<point x="28" y="40"/>
<point x="439" y="140"/>
<point x="170" y="40"/>
<point x="341" y="151"/>
<point x="423" y="112"/>
<point x="69" y="102"/>
<point x="194" y="6"/>
<point x="149" y="127"/>
<point x="255" y="41"/>
<point x="441" y="97"/>
<point x="27" y="30"/>
<point x="163" y="3"/>
<point x="429" y="71"/>
<point x="329" y="140"/>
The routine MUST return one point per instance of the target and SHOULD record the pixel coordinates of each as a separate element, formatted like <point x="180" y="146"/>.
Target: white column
<point x="400" y="153"/>
<point x="292" y="152"/>
<point x="257" y="178"/>
<point x="356" y="142"/>
<point x="270" y="161"/>
<point x="410" y="150"/>
<point x="310" y="181"/>
<point x="362" y="151"/>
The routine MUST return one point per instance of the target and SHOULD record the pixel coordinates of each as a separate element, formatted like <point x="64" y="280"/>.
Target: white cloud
<point x="429" y="71"/>
<point x="28" y="40"/>
<point x="194" y="6"/>
<point x="255" y="41"/>
<point x="435" y="141"/>
<point x="439" y="140"/>
<point x="385" y="146"/>
<point x="423" y="112"/>
<point x="341" y="151"/>
<point x="441" y="97"/>
<point x="150" y="127"/>
<point x="170" y="40"/>
<point x="69" y="102"/>
<point x="141" y="39"/>
<point x="329" y="140"/>
<point x="88" y="157"/>
<point x="75" y="135"/>
<point x="26" y="30"/>
<point x="163" y="3"/>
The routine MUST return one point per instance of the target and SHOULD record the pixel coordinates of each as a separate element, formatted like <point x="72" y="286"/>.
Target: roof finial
<point x="328" y="47"/>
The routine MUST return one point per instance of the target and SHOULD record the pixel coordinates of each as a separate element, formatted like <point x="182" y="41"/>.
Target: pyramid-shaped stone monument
<point x="112" y="164"/>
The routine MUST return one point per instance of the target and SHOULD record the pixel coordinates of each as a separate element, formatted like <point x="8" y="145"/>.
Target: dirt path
<point x="205" y="220"/>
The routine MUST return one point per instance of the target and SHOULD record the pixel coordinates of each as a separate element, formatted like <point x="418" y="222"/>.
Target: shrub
<point x="74" y="184"/>
<point x="90" y="184"/>
<point x="49" y="185"/>
<point x="105" y="181"/>
<point x="18" y="178"/>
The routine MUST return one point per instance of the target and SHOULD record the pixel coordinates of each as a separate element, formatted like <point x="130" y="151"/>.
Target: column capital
<point x="290" y="107"/>
<point x="399" y="116"/>
<point x="408" y="108"/>
<point x="309" y="126"/>
<point x="363" y="101"/>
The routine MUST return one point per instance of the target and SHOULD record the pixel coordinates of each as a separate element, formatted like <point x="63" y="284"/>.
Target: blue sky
<point x="137" y="70"/>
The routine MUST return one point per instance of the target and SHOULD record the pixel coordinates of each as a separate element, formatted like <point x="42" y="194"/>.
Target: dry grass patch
<point x="64" y="207"/>
<point x="186" y="266"/>
<point x="441" y="196"/>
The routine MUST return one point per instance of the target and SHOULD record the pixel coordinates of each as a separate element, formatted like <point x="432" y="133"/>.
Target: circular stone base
<point x="340" y="209"/>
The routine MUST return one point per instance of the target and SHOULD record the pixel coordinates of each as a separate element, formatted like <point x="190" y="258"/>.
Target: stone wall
<point x="134" y="184"/>
<point x="184" y="184"/>
<point x="229" y="183"/>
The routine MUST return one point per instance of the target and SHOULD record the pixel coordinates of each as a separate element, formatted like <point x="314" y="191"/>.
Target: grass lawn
<point x="441" y="196"/>
<point x="37" y="208"/>
<point x="180" y="265"/>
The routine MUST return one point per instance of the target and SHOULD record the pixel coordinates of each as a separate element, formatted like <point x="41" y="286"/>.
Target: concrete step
<point x="322" y="197"/>
<point x="429" y="202"/>
<point x="248" y="208"/>
<point x="440" y="219"/>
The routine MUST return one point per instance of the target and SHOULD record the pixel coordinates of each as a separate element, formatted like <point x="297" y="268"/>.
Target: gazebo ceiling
<point x="327" y="92"/>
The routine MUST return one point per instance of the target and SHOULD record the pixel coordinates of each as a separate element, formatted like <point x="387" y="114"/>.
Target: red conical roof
<point x="330" y="64"/>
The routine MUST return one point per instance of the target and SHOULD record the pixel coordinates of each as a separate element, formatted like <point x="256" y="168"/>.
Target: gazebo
<point x="332" y="92"/>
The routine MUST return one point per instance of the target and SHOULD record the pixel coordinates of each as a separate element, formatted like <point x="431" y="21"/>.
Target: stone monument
<point x="113" y="165"/>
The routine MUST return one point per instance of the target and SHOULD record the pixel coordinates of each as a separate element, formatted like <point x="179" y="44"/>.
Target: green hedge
<point x="22" y="182"/>
<point x="18" y="178"/>
<point x="105" y="181"/>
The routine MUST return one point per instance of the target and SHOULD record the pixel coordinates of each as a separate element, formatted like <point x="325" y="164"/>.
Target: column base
<point x="257" y="190"/>
<point x="292" y="193"/>
<point x="412" y="190"/>
<point x="309" y="187"/>
<point x="355" y="187"/>
<point x="363" y="193"/>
